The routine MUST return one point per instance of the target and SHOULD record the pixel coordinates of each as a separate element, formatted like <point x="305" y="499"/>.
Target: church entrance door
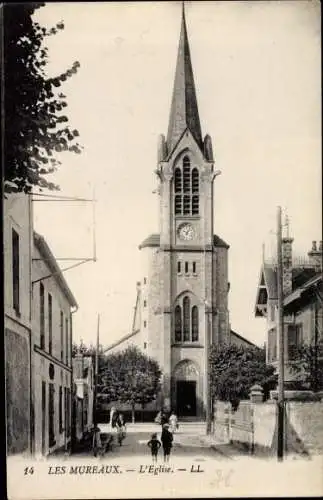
<point x="186" y="398"/>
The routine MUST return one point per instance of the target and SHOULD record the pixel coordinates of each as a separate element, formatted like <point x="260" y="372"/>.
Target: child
<point x="154" y="446"/>
<point x="167" y="441"/>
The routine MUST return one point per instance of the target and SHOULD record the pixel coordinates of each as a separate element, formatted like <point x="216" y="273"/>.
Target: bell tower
<point x="185" y="287"/>
<point x="186" y="173"/>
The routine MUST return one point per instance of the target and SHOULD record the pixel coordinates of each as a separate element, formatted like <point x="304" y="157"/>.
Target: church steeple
<point x="184" y="111"/>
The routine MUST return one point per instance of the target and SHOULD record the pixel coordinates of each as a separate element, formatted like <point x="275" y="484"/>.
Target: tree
<point x="35" y="127"/>
<point x="129" y="377"/>
<point x="235" y="369"/>
<point x="89" y="350"/>
<point x="307" y="365"/>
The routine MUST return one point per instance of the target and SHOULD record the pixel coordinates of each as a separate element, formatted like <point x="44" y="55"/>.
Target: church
<point x="182" y="297"/>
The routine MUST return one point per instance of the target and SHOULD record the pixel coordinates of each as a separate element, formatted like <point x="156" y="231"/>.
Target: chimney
<point x="315" y="256"/>
<point x="287" y="264"/>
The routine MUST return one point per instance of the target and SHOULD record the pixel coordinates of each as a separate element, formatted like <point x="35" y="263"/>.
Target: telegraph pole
<point x="208" y="375"/>
<point x="280" y="335"/>
<point x="96" y="372"/>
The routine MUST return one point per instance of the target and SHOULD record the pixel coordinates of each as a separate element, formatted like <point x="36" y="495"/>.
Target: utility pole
<point x="96" y="372"/>
<point x="208" y="375"/>
<point x="280" y="335"/>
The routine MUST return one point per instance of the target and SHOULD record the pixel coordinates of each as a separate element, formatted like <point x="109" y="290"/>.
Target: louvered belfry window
<point x="186" y="189"/>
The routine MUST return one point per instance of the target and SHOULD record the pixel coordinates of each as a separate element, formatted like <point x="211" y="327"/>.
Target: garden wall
<point x="254" y="425"/>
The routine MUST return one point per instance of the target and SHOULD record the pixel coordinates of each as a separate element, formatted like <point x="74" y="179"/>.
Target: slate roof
<point x="268" y="290"/>
<point x="184" y="110"/>
<point x="240" y="337"/>
<point x="51" y="263"/>
<point x="121" y="340"/>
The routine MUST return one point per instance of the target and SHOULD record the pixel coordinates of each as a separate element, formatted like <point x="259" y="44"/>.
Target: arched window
<point x="186" y="189"/>
<point x="178" y="324"/>
<point x="195" y="323"/>
<point x="186" y="319"/>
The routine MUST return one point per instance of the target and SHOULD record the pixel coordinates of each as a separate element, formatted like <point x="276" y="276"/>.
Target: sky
<point x="257" y="75"/>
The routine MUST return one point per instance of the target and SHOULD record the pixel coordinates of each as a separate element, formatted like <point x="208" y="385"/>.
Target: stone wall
<point x="307" y="421"/>
<point x="17" y="392"/>
<point x="255" y="425"/>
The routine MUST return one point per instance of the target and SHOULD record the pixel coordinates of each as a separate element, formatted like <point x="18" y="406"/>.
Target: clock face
<point x="186" y="232"/>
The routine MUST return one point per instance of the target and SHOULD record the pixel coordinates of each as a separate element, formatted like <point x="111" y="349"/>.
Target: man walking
<point x="167" y="442"/>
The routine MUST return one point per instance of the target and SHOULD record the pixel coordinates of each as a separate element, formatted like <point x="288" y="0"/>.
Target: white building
<point x="17" y="301"/>
<point x="53" y="306"/>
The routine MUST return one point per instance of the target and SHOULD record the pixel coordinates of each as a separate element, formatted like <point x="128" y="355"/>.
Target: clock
<point x="186" y="232"/>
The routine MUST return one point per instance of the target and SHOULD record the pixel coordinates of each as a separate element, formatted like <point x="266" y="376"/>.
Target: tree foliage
<point x="35" y="125"/>
<point x="129" y="377"/>
<point x="235" y="369"/>
<point x="89" y="350"/>
<point x="307" y="366"/>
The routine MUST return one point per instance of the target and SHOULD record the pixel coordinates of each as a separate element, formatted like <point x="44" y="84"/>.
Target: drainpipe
<point x="31" y="395"/>
<point x="73" y="311"/>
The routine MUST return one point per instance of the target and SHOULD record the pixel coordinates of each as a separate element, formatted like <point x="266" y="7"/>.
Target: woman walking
<point x="167" y="442"/>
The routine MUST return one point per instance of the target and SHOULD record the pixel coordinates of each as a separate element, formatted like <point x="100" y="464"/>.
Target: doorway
<point x="186" y="398"/>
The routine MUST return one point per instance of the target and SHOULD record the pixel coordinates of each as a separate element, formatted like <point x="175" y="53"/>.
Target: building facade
<point x="53" y="307"/>
<point x="83" y="395"/>
<point x="302" y="303"/>
<point x="17" y="225"/>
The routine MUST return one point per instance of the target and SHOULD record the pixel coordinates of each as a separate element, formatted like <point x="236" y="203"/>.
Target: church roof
<point x="154" y="241"/>
<point x="117" y="343"/>
<point x="241" y="338"/>
<point x="184" y="110"/>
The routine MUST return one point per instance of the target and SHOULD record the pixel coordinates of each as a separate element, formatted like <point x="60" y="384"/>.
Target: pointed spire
<point x="184" y="111"/>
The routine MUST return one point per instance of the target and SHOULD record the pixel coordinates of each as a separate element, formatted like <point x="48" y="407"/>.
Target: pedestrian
<point x="121" y="428"/>
<point x="163" y="418"/>
<point x="167" y="442"/>
<point x="173" y="421"/>
<point x="112" y="418"/>
<point x="96" y="442"/>
<point x="154" y="445"/>
<point x="158" y="417"/>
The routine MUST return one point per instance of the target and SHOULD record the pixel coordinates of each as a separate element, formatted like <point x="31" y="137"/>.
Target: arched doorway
<point x="185" y="386"/>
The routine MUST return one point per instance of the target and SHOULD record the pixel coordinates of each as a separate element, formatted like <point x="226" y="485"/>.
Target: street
<point x="197" y="467"/>
<point x="188" y="442"/>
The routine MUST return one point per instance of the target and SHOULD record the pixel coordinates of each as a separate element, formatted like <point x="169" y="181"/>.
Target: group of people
<point x="169" y="425"/>
<point x="168" y="422"/>
<point x="163" y="417"/>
